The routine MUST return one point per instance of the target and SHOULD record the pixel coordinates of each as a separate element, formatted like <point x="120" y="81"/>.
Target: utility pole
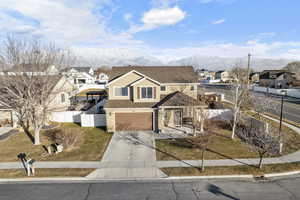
<point x="248" y="71"/>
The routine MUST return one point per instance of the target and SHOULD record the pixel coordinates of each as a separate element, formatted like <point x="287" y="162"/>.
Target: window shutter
<point x="154" y="92"/>
<point x="138" y="93"/>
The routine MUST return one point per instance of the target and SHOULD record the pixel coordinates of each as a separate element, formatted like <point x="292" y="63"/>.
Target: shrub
<point x="70" y="138"/>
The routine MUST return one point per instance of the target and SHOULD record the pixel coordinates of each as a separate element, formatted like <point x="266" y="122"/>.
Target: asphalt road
<point x="291" y="106"/>
<point x="281" y="189"/>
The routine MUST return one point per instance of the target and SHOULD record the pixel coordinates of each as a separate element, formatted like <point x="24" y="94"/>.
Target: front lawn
<point x="232" y="170"/>
<point x="220" y="147"/>
<point x="95" y="142"/>
<point x="20" y="173"/>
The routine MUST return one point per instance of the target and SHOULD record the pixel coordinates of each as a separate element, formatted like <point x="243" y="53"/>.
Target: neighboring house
<point x="61" y="94"/>
<point x="222" y="75"/>
<point x="149" y="98"/>
<point x="102" y="78"/>
<point x="80" y="75"/>
<point x="30" y="70"/>
<point x="276" y="79"/>
<point x="254" y="77"/>
<point x="203" y="74"/>
<point x="7" y="117"/>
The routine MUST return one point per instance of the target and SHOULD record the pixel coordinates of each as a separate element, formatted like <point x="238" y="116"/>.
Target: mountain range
<point x="210" y="63"/>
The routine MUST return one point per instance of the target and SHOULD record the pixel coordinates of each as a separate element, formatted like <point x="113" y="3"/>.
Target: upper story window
<point x="163" y="88"/>
<point x="121" y="91"/>
<point x="63" y="98"/>
<point x="147" y="93"/>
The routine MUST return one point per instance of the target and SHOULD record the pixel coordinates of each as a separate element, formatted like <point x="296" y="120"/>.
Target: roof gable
<point x="130" y="72"/>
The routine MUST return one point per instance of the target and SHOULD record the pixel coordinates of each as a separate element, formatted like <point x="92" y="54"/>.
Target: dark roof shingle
<point x="162" y="74"/>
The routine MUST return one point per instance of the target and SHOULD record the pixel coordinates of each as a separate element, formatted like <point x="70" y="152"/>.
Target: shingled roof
<point x="179" y="99"/>
<point x="162" y="74"/>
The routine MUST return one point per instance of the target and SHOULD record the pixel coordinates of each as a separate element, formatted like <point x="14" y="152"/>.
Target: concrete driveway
<point x="129" y="155"/>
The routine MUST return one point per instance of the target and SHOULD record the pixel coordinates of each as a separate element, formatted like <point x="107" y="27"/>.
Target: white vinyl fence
<point x="218" y="114"/>
<point x="93" y="120"/>
<point x="290" y="92"/>
<point x="67" y="116"/>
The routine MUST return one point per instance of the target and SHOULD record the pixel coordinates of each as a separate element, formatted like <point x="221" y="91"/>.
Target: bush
<point x="70" y="138"/>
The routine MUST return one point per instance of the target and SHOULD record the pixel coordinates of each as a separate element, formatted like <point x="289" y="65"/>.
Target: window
<point x="163" y="88"/>
<point x="147" y="92"/>
<point x="192" y="88"/>
<point x="62" y="98"/>
<point x="121" y="91"/>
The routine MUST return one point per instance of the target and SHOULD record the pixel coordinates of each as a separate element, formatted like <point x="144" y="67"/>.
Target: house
<point x="276" y="78"/>
<point x="150" y="98"/>
<point x="30" y="70"/>
<point x="7" y="116"/>
<point x="222" y="75"/>
<point x="80" y="75"/>
<point x="254" y="77"/>
<point x="60" y="98"/>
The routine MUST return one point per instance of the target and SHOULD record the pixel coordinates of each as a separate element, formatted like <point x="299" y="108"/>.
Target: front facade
<point x="276" y="79"/>
<point x="149" y="98"/>
<point x="223" y="76"/>
<point x="80" y="75"/>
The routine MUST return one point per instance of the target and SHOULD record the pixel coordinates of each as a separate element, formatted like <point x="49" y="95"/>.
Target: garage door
<point x="133" y="121"/>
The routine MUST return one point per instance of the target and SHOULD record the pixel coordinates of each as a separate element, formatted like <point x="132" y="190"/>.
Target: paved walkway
<point x="133" y="156"/>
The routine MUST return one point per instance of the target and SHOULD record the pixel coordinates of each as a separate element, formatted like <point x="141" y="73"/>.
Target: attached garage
<point x="134" y="121"/>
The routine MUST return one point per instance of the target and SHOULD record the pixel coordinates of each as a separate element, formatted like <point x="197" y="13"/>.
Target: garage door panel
<point x="133" y="121"/>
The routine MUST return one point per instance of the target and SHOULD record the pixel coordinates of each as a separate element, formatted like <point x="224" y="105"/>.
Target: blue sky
<point x="165" y="29"/>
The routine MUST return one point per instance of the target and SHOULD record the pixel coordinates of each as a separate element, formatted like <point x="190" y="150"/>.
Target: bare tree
<point x="202" y="140"/>
<point x="262" y="104"/>
<point x="240" y="94"/>
<point x="262" y="139"/>
<point x="29" y="88"/>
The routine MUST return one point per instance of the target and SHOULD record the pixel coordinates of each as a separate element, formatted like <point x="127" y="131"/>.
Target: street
<point x="291" y="108"/>
<point x="285" y="188"/>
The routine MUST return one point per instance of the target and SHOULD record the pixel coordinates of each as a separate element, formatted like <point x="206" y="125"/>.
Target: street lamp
<point x="283" y="94"/>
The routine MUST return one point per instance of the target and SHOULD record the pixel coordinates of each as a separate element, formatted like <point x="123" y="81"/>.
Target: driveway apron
<point x="129" y="155"/>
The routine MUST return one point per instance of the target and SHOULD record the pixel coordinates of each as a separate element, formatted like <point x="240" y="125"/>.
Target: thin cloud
<point x="220" y="21"/>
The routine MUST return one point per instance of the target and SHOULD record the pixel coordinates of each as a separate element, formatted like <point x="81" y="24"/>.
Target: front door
<point x="177" y="118"/>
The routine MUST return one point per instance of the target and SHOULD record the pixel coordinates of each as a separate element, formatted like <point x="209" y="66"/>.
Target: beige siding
<point x="146" y="83"/>
<point x="122" y="82"/>
<point x="185" y="88"/>
<point x="63" y="87"/>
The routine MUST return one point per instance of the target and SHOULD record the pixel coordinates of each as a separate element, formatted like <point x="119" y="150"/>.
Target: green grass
<point x="20" y="173"/>
<point x="93" y="148"/>
<point x="232" y="170"/>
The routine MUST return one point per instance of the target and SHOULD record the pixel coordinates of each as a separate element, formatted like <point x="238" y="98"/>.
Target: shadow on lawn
<point x="191" y="145"/>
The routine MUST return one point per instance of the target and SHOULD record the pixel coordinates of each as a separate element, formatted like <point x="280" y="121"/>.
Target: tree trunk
<point x="202" y="126"/>
<point x="260" y="164"/>
<point x="236" y="110"/>
<point x="234" y="124"/>
<point x="37" y="136"/>
<point x="202" y="163"/>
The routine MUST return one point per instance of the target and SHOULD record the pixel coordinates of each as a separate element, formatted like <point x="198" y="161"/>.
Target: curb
<point x="246" y="176"/>
<point x="282" y="174"/>
<point x="81" y="179"/>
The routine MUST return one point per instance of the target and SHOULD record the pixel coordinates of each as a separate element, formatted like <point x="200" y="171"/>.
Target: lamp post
<point x="283" y="94"/>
